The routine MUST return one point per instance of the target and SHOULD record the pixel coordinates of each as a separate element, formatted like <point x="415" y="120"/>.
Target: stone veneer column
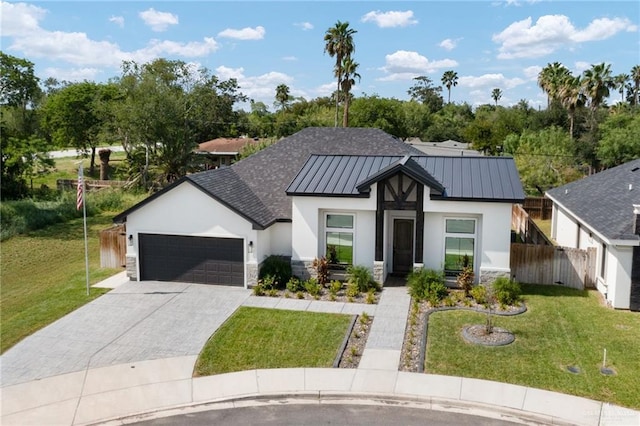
<point x="131" y="267"/>
<point x="487" y="276"/>
<point x="252" y="274"/>
<point x="417" y="266"/>
<point x="303" y="269"/>
<point x="378" y="271"/>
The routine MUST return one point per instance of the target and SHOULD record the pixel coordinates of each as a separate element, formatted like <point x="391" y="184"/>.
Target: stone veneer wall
<point x="131" y="267"/>
<point x="303" y="269"/>
<point x="252" y="274"/>
<point x="487" y="276"/>
<point x="378" y="272"/>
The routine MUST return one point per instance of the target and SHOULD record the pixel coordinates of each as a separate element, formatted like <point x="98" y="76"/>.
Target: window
<point x="459" y="245"/>
<point x="603" y="261"/>
<point x="339" y="238"/>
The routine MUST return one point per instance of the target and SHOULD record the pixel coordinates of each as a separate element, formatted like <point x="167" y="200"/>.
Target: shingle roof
<point x="604" y="201"/>
<point x="455" y="178"/>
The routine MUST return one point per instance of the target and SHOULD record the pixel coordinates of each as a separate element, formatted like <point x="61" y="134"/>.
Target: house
<point x="356" y="196"/>
<point x="446" y="148"/>
<point x="603" y="211"/>
<point x="221" y="151"/>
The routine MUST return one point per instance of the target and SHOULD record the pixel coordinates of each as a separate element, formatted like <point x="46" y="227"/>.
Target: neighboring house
<point x="221" y="151"/>
<point x="603" y="211"/>
<point x="446" y="148"/>
<point x="357" y="196"/>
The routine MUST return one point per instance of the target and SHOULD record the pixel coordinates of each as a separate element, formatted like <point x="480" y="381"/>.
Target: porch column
<point x="419" y="224"/>
<point x="379" y="222"/>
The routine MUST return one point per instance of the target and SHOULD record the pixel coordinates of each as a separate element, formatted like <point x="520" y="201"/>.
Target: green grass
<point x="544" y="225"/>
<point x="561" y="327"/>
<point x="67" y="168"/>
<point x="271" y="338"/>
<point x="43" y="276"/>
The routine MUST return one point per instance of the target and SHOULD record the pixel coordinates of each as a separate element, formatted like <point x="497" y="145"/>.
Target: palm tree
<point x="496" y="94"/>
<point x="620" y="81"/>
<point x="282" y="95"/>
<point x="450" y="78"/>
<point x="571" y="96"/>
<point x="349" y="74"/>
<point x="596" y="83"/>
<point x="550" y="78"/>
<point x="339" y="43"/>
<point x="635" y="76"/>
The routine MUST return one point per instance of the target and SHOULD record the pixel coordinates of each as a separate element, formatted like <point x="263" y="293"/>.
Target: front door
<point x="402" y="246"/>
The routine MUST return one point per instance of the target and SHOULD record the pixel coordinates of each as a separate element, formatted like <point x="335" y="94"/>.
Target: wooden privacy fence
<point x="113" y="247"/>
<point x="538" y="207"/>
<point x="526" y="228"/>
<point x="538" y="264"/>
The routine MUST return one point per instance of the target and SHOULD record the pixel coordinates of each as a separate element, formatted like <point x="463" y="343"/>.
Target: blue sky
<point x="262" y="44"/>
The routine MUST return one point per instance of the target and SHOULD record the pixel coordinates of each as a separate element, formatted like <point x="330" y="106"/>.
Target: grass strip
<point x="270" y="338"/>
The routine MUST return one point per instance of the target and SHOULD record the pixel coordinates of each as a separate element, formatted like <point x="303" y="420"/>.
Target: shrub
<point x="427" y="284"/>
<point x="361" y="276"/>
<point x="465" y="279"/>
<point x="479" y="294"/>
<point x="294" y="285"/>
<point x="321" y="265"/>
<point x="507" y="291"/>
<point x="267" y="282"/>
<point x="353" y="290"/>
<point x="335" y="287"/>
<point x="279" y="267"/>
<point x="258" y="290"/>
<point x="313" y="287"/>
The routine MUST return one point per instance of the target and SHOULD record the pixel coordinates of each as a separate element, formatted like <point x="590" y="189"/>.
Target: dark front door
<point x="203" y="260"/>
<point x="402" y="246"/>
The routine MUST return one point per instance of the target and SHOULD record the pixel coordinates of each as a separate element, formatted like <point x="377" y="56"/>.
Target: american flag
<point x="80" y="195"/>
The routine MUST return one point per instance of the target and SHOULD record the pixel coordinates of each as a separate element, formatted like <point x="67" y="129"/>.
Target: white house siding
<point x="280" y="238"/>
<point x="566" y="229"/>
<point x="187" y="211"/>
<point x="618" y="271"/>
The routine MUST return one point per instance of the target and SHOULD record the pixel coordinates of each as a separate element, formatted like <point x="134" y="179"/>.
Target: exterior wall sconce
<point x="130" y="238"/>
<point x="250" y="247"/>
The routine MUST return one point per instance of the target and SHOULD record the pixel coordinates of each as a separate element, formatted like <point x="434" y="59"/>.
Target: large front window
<point x="339" y="238"/>
<point x="459" y="244"/>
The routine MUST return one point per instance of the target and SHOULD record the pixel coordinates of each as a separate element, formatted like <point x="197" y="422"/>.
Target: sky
<point x="489" y="44"/>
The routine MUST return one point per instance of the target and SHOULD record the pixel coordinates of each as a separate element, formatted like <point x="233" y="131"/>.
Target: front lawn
<point x="270" y="338"/>
<point x="43" y="276"/>
<point x="562" y="327"/>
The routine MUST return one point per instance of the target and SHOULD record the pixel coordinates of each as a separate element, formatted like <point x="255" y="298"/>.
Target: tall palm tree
<point x="571" y="96"/>
<point x="339" y="43"/>
<point x="550" y="78"/>
<point x="596" y="82"/>
<point x="620" y="81"/>
<point x="449" y="78"/>
<point x="496" y="94"/>
<point x="635" y="76"/>
<point x="282" y="95"/>
<point x="349" y="75"/>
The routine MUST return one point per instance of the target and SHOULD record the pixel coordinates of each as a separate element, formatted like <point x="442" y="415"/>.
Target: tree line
<point x="159" y="111"/>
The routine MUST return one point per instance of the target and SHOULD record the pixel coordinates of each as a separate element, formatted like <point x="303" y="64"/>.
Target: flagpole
<point x="82" y="187"/>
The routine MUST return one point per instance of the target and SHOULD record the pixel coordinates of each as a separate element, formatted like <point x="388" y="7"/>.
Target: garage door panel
<point x="191" y="259"/>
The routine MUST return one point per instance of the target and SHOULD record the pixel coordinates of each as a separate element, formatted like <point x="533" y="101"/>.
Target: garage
<point x="202" y="260"/>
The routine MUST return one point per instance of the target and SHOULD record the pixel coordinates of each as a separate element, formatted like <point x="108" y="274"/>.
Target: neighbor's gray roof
<point x="255" y="186"/>
<point x="604" y="201"/>
<point x="455" y="178"/>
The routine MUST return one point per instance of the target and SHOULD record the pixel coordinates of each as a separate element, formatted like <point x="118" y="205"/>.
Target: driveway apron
<point x="137" y="321"/>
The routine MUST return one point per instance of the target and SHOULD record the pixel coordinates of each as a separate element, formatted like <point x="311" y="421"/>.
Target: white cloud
<point x="390" y="19"/>
<point x="192" y="49"/>
<point x="306" y="26"/>
<point x="581" y="66"/>
<point x="71" y="74"/>
<point x="118" y="20"/>
<point x="326" y="89"/>
<point x="18" y="19"/>
<point x="521" y="39"/>
<point x="247" y="33"/>
<point x="289" y="58"/>
<point x="158" y="21"/>
<point x="262" y="87"/>
<point x="405" y="65"/>
<point x="490" y="81"/>
<point x="531" y="73"/>
<point x="449" y="44"/>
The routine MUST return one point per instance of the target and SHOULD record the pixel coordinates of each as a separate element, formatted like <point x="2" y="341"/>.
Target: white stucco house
<point x="356" y="196"/>
<point x="603" y="211"/>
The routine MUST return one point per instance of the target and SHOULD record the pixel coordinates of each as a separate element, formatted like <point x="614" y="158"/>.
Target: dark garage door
<point x="201" y="260"/>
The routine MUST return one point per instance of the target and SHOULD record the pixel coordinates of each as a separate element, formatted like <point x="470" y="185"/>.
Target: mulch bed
<point x="357" y="341"/>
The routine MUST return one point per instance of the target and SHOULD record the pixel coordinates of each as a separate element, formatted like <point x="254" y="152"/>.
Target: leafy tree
<point x="339" y="43"/>
<point x="425" y="92"/>
<point x="282" y="96"/>
<point x="449" y="123"/>
<point x="350" y="73"/>
<point x="450" y="78"/>
<point x="382" y="113"/>
<point x="496" y="95"/>
<point x="551" y="78"/>
<point x="620" y="140"/>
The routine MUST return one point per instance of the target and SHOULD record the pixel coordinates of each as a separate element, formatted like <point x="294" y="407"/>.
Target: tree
<point x="496" y="94"/>
<point x="596" y="83"/>
<point x="282" y="96"/>
<point x="339" y="43"/>
<point x="450" y="78"/>
<point x="550" y="79"/>
<point x="381" y="113"/>
<point x="425" y="92"/>
<point x="635" y="76"/>
<point x="571" y="96"/>
<point x="620" y="82"/>
<point x="620" y="140"/>
<point x="350" y="73"/>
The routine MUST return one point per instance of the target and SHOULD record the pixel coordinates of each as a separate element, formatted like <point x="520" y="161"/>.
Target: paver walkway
<point x="135" y="322"/>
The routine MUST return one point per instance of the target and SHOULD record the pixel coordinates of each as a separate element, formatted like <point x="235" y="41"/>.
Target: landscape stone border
<point x="503" y="336"/>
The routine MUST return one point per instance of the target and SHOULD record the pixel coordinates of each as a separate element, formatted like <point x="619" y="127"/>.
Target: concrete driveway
<point x="137" y="321"/>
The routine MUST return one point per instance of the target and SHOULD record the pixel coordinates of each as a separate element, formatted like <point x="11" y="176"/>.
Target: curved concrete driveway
<point x="137" y="321"/>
